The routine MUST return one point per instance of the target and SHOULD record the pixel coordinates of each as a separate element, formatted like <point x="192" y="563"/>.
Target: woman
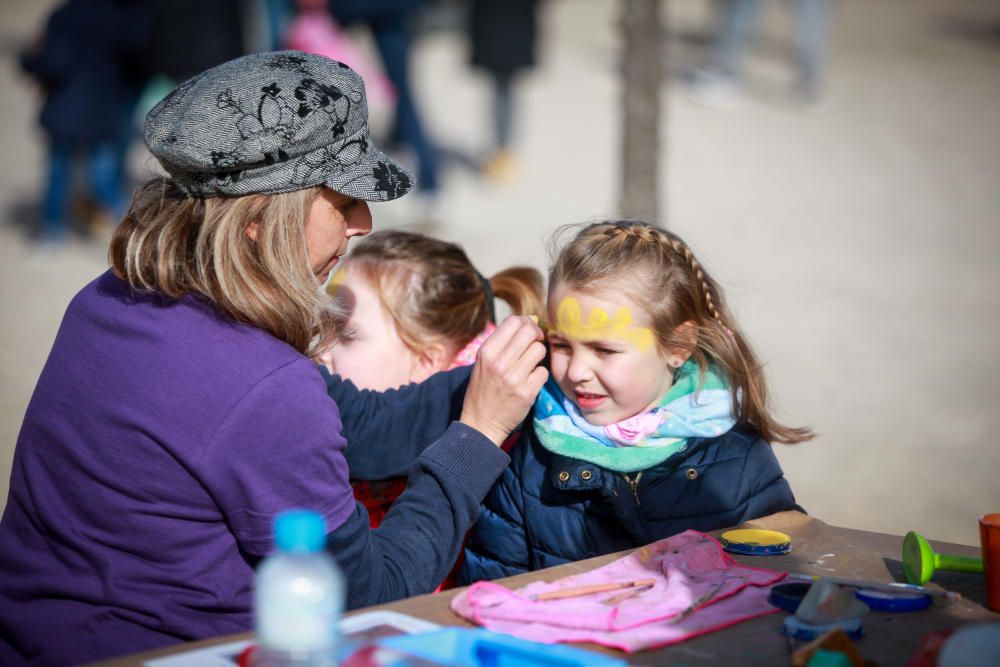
<point x="179" y="410"/>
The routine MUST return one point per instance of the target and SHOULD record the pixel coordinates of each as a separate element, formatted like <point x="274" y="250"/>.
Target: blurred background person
<point x="84" y="62"/>
<point x="391" y="25"/>
<point x="737" y="21"/>
<point x="313" y="30"/>
<point x="188" y="37"/>
<point x="502" y="38"/>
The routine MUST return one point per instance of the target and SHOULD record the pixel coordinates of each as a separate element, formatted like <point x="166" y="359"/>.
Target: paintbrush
<point x="621" y="597"/>
<point x="577" y="591"/>
<point x="702" y="599"/>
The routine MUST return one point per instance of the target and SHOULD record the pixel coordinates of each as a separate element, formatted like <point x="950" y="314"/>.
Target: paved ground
<point x="857" y="240"/>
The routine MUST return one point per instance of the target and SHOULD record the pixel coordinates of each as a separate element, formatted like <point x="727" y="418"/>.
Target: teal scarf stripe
<point x="686" y="413"/>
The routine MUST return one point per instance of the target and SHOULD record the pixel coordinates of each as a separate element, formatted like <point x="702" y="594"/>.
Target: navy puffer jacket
<point x="549" y="509"/>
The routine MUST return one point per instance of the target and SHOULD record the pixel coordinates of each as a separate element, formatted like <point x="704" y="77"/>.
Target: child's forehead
<point x="609" y="299"/>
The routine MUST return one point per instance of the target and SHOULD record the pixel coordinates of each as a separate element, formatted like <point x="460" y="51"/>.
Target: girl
<point x="653" y="420"/>
<point x="414" y="306"/>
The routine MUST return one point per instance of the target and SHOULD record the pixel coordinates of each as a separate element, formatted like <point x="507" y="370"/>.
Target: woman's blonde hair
<point x="431" y="291"/>
<point x="175" y="244"/>
<point x="672" y="287"/>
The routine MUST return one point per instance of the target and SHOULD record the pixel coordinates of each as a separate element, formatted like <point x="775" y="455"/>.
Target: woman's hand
<point x="506" y="379"/>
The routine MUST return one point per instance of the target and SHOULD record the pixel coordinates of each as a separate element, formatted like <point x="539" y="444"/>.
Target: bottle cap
<point x="299" y="531"/>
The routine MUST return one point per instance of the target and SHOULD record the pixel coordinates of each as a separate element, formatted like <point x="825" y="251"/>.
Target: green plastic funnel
<point x="920" y="561"/>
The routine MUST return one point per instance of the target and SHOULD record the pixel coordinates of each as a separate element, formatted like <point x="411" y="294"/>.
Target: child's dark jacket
<point x="548" y="509"/>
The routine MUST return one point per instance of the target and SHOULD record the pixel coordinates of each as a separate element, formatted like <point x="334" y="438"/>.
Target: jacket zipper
<point x="633" y="485"/>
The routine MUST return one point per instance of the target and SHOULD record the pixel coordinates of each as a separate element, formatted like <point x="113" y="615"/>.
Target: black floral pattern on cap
<point x="314" y="96"/>
<point x="288" y="62"/>
<point x="391" y="180"/>
<point x="271" y="123"/>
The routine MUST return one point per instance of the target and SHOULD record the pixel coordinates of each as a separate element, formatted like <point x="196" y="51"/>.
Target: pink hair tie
<point x="467" y="355"/>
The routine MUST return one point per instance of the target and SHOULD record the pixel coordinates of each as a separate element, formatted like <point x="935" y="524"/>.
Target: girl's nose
<point x="578" y="369"/>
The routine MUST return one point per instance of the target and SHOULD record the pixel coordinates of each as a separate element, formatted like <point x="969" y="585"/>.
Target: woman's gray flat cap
<point x="269" y="123"/>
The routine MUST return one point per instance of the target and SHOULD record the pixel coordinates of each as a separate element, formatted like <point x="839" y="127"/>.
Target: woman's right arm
<point x="421" y="536"/>
<point x="387" y="431"/>
<point x="282" y="447"/>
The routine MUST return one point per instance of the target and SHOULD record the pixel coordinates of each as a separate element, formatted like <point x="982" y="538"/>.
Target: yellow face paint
<point x="336" y="280"/>
<point x="600" y="326"/>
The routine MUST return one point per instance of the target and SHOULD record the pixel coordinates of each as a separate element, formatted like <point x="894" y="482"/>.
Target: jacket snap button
<point x="564" y="476"/>
<point x="691" y="474"/>
<point x="586" y="474"/>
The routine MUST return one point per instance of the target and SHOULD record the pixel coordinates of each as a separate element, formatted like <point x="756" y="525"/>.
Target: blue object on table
<point x="796" y="628"/>
<point x="902" y="601"/>
<point x="464" y="647"/>
<point x="788" y="596"/>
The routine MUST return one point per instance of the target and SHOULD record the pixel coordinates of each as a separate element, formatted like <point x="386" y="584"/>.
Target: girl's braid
<point x="667" y="243"/>
<point x="684" y="251"/>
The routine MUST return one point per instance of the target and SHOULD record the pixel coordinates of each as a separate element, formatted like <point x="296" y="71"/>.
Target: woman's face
<point x="333" y="219"/>
<point x="370" y="352"/>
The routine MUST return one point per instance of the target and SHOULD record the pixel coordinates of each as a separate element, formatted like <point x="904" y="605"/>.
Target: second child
<point x="413" y="306"/>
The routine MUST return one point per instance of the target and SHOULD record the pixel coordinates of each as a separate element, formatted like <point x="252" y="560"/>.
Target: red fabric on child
<point x="377" y="496"/>
<point x="697" y="588"/>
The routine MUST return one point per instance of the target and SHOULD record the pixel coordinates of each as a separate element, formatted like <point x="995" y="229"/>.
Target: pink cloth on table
<point x="685" y="567"/>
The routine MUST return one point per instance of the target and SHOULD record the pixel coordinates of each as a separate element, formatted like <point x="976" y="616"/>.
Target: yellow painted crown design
<point x="600" y="326"/>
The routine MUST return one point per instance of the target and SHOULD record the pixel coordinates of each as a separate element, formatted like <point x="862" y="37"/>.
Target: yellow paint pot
<point x="756" y="542"/>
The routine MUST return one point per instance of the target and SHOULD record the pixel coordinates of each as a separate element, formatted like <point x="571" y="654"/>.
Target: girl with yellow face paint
<point x="653" y="420"/>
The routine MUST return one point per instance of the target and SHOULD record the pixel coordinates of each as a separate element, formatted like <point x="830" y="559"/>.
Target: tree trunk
<point x="642" y="72"/>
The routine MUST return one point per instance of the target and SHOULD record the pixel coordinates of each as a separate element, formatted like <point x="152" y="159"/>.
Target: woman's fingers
<point x="506" y="378"/>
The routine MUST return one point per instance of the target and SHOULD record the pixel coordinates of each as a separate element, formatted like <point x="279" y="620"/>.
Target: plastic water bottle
<point x="299" y="596"/>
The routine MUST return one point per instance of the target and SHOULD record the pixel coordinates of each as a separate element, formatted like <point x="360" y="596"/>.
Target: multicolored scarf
<point x="647" y="439"/>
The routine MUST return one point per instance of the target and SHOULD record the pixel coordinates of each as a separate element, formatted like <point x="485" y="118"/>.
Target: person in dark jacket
<point x="653" y="422"/>
<point x="85" y="64"/>
<point x="390" y="22"/>
<point x="502" y="41"/>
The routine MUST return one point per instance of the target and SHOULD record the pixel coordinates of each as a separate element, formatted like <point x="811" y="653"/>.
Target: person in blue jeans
<point x="737" y="21"/>
<point x="84" y="62"/>
<point x="390" y="23"/>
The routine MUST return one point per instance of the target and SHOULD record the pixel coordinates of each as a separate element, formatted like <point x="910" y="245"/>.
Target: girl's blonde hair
<point x="175" y="244"/>
<point x="675" y="288"/>
<point x="431" y="291"/>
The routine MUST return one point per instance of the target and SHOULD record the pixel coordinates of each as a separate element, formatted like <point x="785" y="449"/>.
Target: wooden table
<point x="817" y="549"/>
